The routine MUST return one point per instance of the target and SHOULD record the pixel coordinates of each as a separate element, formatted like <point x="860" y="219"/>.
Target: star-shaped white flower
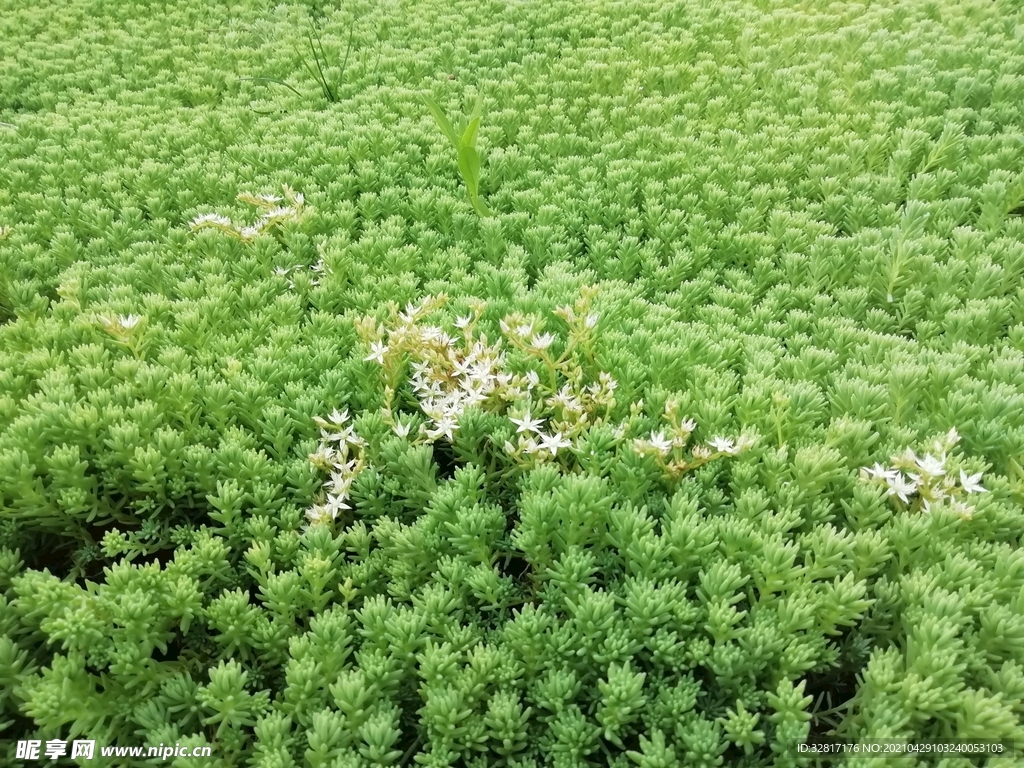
<point x="338" y="418"/>
<point x="210" y="220"/>
<point x="334" y="506"/>
<point x="528" y="424"/>
<point x="554" y="442"/>
<point x="128" y="321"/>
<point x="446" y="426"/>
<point x="339" y="483"/>
<point x="932" y="466"/>
<point x="318" y="514"/>
<point x="660" y="443"/>
<point x="972" y="483"/>
<point x="881" y="473"/>
<point x="542" y="342"/>
<point x="723" y="444"/>
<point x="377" y="351"/>
<point x="901" y="487"/>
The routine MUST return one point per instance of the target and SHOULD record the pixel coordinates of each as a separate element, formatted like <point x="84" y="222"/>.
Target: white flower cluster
<point x="667" y="445"/>
<point x="447" y="377"/>
<point x="340" y="454"/>
<point x="450" y="375"/>
<point x="551" y="411"/>
<point x="575" y="408"/>
<point x="274" y="213"/>
<point x="926" y="479"/>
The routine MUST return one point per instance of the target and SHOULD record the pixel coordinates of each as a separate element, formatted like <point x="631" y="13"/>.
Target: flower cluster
<point x="550" y="403"/>
<point x="276" y="211"/>
<point x="341" y="454"/>
<point x="924" y="481"/>
<point x="667" y="445"/>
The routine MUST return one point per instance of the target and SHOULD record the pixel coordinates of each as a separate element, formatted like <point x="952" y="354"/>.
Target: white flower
<point x="880" y="473"/>
<point x="334" y="505"/>
<point x="281" y="271"/>
<point x="900" y="486"/>
<point x="591" y="321"/>
<point x="463" y="322"/>
<point x="377" y="351"/>
<point x="532" y="380"/>
<point x="345" y="467"/>
<point x="210" y="220"/>
<point x="722" y="444"/>
<point x="338" y="418"/>
<point x="952" y="437"/>
<point x="554" y="442"/>
<point x="971" y="483"/>
<point x="527" y="423"/>
<point x="446" y="426"/>
<point x="540" y="343"/>
<point x="340" y="483"/>
<point x="565" y="399"/>
<point x="660" y="443"/>
<point x="248" y="233"/>
<point x="278" y="213"/>
<point x="932" y="466"/>
<point x="530" y="446"/>
<point x="318" y="514"/>
<point x="688" y="425"/>
<point x="128" y="321"/>
<point x="402" y="430"/>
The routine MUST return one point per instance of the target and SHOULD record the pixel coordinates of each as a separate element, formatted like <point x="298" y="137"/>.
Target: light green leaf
<point x="442" y="121"/>
<point x="470" y="134"/>
<point x="469" y="164"/>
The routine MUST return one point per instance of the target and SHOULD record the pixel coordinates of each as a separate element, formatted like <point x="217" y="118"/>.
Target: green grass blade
<point x="316" y="58"/>
<point x="469" y="135"/>
<point x="478" y="108"/>
<point x="442" y="121"/>
<point x="469" y="164"/>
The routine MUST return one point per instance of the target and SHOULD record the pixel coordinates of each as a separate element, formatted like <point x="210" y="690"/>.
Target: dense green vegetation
<point x="506" y="382"/>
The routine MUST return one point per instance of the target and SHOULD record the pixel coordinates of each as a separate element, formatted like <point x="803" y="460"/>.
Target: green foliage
<point x="703" y="436"/>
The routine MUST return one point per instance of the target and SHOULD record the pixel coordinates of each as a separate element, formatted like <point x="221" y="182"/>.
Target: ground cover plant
<point x="514" y="383"/>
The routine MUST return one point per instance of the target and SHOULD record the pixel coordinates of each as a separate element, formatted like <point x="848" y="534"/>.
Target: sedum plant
<point x="534" y="530"/>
